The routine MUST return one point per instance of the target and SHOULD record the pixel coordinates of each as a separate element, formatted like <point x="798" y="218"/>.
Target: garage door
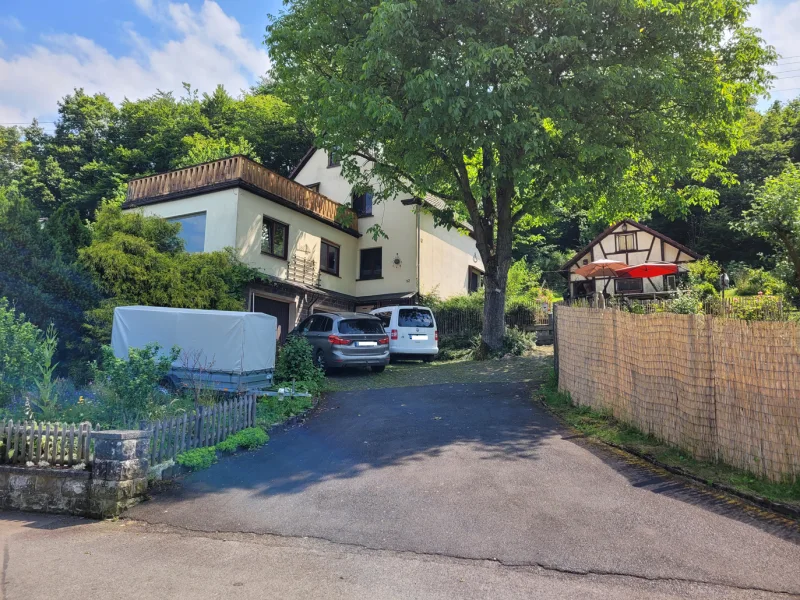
<point x="276" y="308"/>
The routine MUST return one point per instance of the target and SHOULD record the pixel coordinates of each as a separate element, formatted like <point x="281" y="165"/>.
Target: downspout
<point x="419" y="251"/>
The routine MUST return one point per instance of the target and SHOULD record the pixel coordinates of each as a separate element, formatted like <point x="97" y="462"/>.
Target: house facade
<point x="634" y="244"/>
<point x="302" y="236"/>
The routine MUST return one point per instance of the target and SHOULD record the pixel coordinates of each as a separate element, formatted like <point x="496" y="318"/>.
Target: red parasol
<point x="647" y="270"/>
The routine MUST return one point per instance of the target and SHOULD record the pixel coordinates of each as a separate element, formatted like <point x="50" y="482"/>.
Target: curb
<point x="778" y="507"/>
<point x="781" y="508"/>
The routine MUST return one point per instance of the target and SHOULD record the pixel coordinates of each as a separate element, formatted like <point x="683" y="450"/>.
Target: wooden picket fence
<point x="58" y="444"/>
<point x="206" y="426"/>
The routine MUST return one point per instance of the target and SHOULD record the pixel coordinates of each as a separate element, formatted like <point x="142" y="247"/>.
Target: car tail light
<point x="383" y="341"/>
<point x="394" y="334"/>
<point x="436" y="335"/>
<point x="335" y="340"/>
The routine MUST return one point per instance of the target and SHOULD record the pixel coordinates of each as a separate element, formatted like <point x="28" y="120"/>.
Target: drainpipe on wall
<point x="419" y="250"/>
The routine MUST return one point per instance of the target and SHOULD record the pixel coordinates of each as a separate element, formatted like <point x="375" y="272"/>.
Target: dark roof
<point x="306" y="157"/>
<point x="581" y="253"/>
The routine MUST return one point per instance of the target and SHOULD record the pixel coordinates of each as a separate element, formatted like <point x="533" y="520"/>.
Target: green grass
<point x="271" y="410"/>
<point x="199" y="458"/>
<point x="415" y="373"/>
<point x="604" y="427"/>
<point x="249" y="439"/>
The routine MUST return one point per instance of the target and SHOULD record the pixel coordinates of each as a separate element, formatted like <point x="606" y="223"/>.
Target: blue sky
<point x="130" y="48"/>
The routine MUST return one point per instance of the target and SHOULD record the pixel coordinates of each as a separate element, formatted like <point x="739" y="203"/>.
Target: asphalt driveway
<point x="476" y="471"/>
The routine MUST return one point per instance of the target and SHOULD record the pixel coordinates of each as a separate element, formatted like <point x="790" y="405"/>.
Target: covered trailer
<point x="223" y="350"/>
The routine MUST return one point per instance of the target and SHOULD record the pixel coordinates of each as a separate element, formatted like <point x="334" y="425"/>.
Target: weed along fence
<point x="722" y="389"/>
<point x="206" y="426"/>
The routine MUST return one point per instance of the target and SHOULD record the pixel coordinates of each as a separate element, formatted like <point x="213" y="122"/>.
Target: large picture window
<point x="329" y="258"/>
<point x="193" y="231"/>
<point x="371" y="264"/>
<point x="274" y="238"/>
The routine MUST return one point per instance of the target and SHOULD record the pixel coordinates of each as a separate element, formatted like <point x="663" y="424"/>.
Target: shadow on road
<point x="376" y="434"/>
<point x="358" y="431"/>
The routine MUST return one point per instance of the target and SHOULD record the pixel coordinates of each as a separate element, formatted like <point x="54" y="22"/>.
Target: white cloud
<point x="207" y="48"/>
<point x="11" y="23"/>
<point x="779" y="23"/>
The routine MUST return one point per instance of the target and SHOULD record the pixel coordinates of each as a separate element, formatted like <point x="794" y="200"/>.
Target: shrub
<point x="760" y="308"/>
<point x="296" y="362"/>
<point x="749" y="282"/>
<point x="273" y="409"/>
<point x="131" y="387"/>
<point x="249" y="438"/>
<point x="704" y="270"/>
<point x="199" y="458"/>
<point x="21" y="352"/>
<point x="685" y="304"/>
<point x="703" y="291"/>
<point x="517" y="342"/>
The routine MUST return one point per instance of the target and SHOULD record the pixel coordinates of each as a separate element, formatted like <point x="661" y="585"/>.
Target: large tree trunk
<point x="496" y="265"/>
<point x="494" y="310"/>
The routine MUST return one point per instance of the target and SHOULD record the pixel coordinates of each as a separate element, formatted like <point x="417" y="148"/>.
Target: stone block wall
<point x="116" y="479"/>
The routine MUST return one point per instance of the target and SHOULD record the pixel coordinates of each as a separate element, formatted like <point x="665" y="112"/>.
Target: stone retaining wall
<point x="116" y="479"/>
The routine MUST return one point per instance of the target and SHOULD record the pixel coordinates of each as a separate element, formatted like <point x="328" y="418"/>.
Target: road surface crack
<point x="218" y="534"/>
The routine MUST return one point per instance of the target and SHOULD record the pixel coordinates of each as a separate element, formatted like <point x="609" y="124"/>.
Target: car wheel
<point x="378" y="369"/>
<point x="320" y="361"/>
<point x="427" y="358"/>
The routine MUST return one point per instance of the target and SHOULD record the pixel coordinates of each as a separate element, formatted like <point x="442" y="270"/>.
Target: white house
<point x="301" y="235"/>
<point x="632" y="243"/>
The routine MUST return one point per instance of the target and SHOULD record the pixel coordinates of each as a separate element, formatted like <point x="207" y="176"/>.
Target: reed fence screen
<point x="722" y="389"/>
<point x="57" y="444"/>
<point x="205" y="426"/>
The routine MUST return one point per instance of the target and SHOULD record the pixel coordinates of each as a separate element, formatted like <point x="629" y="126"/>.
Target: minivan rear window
<point x="355" y="326"/>
<point x="414" y="317"/>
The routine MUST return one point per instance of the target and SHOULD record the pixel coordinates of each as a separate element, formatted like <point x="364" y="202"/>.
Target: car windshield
<point x="354" y="326"/>
<point x="415" y="317"/>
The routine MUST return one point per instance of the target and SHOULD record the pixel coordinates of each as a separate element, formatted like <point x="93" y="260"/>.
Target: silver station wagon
<point x="346" y="340"/>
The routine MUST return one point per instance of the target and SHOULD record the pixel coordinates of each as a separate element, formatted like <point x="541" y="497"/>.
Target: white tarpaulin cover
<point x="235" y="342"/>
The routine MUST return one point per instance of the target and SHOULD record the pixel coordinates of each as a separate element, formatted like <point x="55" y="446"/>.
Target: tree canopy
<point x="775" y="216"/>
<point x="96" y="146"/>
<point x="60" y="267"/>
<point x="510" y="109"/>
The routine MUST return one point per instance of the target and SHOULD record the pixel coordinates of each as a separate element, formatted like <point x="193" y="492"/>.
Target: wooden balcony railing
<point x="233" y="169"/>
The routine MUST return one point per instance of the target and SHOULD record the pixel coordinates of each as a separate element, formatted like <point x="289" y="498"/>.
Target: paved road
<point x="444" y="491"/>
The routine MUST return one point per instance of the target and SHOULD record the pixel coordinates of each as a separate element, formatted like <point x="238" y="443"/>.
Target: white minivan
<point x="412" y="331"/>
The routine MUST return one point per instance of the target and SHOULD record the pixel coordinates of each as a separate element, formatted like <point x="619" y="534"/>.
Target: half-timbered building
<point x="634" y="244"/>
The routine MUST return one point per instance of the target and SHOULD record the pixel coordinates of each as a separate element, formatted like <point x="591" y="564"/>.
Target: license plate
<point x="366" y="344"/>
<point x="419" y="337"/>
